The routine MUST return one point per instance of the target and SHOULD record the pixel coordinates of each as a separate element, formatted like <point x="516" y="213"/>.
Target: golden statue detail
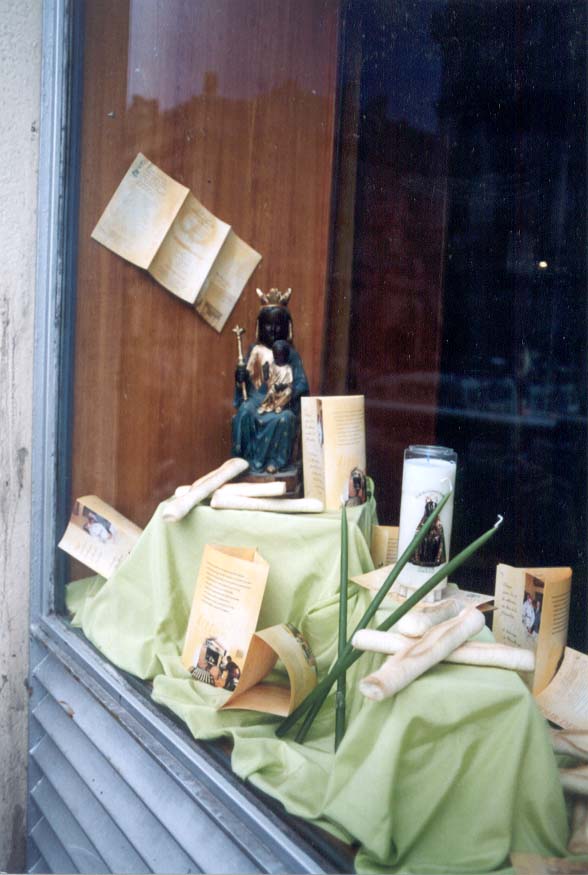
<point x="274" y="298"/>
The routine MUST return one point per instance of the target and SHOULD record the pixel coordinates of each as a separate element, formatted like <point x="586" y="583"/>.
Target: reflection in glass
<point x="469" y="280"/>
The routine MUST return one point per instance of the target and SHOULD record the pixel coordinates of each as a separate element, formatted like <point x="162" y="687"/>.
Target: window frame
<point x="49" y="356"/>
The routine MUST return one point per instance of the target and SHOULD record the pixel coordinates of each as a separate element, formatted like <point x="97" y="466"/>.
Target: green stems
<point x="440" y="575"/>
<point x="400" y="563"/>
<point x="314" y="701"/>
<point x="371" y="610"/>
<point x="340" y="701"/>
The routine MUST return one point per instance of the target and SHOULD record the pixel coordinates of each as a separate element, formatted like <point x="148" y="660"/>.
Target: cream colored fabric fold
<point x="570" y="741"/>
<point x="578" y="843"/>
<point x="418" y="621"/>
<point x="470" y="653"/>
<point x="575" y="780"/>
<point x="177" y="507"/>
<point x="261" y="490"/>
<point x="226" y="501"/>
<point x="401" y="669"/>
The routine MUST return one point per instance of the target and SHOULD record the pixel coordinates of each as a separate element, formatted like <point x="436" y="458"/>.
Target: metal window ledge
<point x="117" y="785"/>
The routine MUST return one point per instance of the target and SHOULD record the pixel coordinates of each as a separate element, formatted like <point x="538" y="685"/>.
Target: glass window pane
<point x="460" y="192"/>
<point x="236" y="101"/>
<point x="468" y="316"/>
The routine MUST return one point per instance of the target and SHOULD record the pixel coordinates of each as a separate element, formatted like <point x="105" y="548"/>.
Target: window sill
<point x="274" y="840"/>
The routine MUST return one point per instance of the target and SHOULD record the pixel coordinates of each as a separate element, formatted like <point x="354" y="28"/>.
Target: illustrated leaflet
<point x="532" y="611"/>
<point x="99" y="536"/>
<point x="333" y="449"/>
<point x="222" y="648"/>
<point x="156" y="223"/>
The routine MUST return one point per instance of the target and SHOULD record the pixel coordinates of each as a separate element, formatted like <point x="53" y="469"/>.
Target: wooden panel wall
<point x="235" y="99"/>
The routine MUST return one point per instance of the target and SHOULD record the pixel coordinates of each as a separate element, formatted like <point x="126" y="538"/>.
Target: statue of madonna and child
<point x="268" y="387"/>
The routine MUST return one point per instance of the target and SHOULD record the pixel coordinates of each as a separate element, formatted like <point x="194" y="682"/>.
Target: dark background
<point x="468" y="315"/>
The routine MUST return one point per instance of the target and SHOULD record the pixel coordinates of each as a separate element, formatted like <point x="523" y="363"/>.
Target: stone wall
<point x="20" y="66"/>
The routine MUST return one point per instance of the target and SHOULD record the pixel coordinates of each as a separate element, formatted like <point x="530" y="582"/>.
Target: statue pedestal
<point x="291" y="476"/>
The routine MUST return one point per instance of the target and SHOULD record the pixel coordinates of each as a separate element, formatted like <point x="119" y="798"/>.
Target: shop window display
<point x="450" y="295"/>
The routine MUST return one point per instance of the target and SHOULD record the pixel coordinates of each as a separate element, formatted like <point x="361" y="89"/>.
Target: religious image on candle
<point x="428" y="474"/>
<point x="431" y="552"/>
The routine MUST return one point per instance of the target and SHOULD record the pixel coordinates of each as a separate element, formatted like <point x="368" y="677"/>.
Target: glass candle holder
<point x="428" y="474"/>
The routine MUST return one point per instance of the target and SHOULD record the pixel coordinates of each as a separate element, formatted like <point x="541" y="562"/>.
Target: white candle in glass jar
<point x="428" y="474"/>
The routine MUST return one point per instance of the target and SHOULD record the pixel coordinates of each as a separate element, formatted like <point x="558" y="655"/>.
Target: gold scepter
<point x="240" y="360"/>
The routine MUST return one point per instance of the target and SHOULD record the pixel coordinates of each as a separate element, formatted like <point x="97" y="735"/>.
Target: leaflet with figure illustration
<point x="157" y="224"/>
<point x="98" y="535"/>
<point x="222" y="648"/>
<point x="333" y="449"/>
<point x="532" y="611"/>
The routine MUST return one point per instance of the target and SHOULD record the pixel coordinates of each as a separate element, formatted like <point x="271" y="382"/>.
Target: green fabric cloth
<point x="448" y="776"/>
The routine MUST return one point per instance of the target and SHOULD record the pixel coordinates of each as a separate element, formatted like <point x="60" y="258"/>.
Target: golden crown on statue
<point x="274" y="298"/>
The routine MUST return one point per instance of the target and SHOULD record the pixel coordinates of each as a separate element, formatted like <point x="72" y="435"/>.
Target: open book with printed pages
<point x="99" y="536"/>
<point x="333" y="449"/>
<point x="156" y="223"/>
<point x="532" y="611"/>
<point x="222" y="648"/>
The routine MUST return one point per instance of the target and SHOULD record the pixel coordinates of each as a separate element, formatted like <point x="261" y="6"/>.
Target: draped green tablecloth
<point x="448" y="776"/>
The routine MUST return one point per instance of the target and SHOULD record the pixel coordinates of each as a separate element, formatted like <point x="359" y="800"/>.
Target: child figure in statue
<point x="265" y="439"/>
<point x="280" y="379"/>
